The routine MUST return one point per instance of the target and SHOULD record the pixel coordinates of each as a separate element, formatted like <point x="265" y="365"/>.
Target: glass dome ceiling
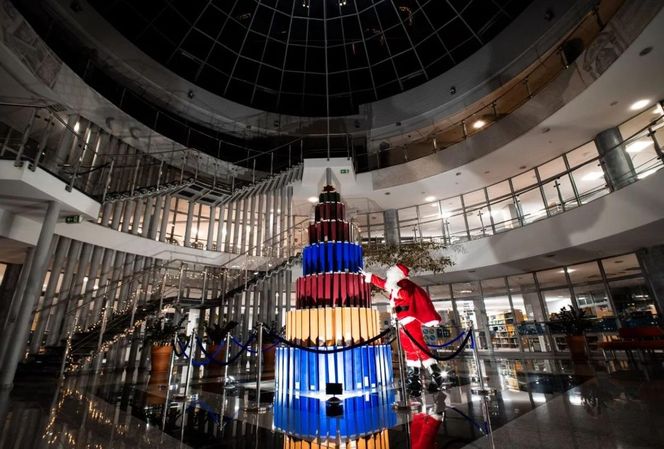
<point x="309" y="57"/>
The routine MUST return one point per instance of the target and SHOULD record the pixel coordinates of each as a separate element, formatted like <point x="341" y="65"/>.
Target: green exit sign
<point x="344" y="171"/>
<point x="74" y="219"/>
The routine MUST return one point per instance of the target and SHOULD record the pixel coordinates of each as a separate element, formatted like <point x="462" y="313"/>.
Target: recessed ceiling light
<point x="465" y="291"/>
<point x="430" y="198"/>
<point x="312" y="199"/>
<point x="478" y="124"/>
<point x="592" y="176"/>
<point x="639" y="104"/>
<point x="638" y="146"/>
<point x="569" y="270"/>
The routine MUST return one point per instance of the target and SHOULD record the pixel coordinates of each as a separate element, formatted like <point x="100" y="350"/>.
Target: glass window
<point x="362" y="220"/>
<point x="526" y="303"/>
<point x="455" y="224"/>
<point x="557" y="186"/>
<point x="470" y="308"/>
<point x="442" y="301"/>
<point x="582" y="154"/>
<point x="589" y="289"/>
<point x="638" y="123"/>
<point x="621" y="266"/>
<point x="634" y="304"/>
<point x="552" y="278"/>
<point x="501" y="320"/>
<point x="590" y="181"/>
<point x="408" y="229"/>
<point x="430" y="221"/>
<point x="477" y="214"/>
<point x="556" y="300"/>
<point x="377" y="228"/>
<point x="503" y="209"/>
<point x="525" y="297"/>
<point x="644" y="157"/>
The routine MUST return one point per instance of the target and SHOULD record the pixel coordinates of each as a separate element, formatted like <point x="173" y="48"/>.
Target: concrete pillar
<point x="615" y="161"/>
<point x="391" y="224"/>
<point x="56" y="323"/>
<point x="56" y="269"/>
<point x="209" y="245"/>
<point x="9" y="285"/>
<point x="17" y="341"/>
<point x="189" y="224"/>
<point x="163" y="229"/>
<point x="148" y="213"/>
<point x="155" y="223"/>
<point x="652" y="264"/>
<point x="138" y="215"/>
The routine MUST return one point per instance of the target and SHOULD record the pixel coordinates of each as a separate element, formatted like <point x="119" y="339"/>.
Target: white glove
<point x="367" y="276"/>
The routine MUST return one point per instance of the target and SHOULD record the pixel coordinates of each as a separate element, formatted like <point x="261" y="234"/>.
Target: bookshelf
<point x="503" y="329"/>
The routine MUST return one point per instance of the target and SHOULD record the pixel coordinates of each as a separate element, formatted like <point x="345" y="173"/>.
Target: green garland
<point x="418" y="256"/>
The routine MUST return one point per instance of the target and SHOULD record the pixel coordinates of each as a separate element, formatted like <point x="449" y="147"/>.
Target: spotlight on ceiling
<point x="479" y="124"/>
<point x="430" y="198"/>
<point x="639" y="104"/>
<point x="312" y="199"/>
<point x="638" y="146"/>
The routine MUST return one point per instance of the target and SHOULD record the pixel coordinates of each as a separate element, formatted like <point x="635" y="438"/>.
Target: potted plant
<point x="574" y="322"/>
<point x="159" y="333"/>
<point x="215" y="336"/>
<point x="270" y="350"/>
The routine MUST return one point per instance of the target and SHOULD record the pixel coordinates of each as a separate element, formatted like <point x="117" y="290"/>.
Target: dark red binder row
<point x="330" y="211"/>
<point x="324" y="231"/>
<point x="332" y="290"/>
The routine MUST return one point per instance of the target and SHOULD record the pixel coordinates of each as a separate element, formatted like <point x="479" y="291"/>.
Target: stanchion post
<point x="403" y="403"/>
<point x="191" y="360"/>
<point x="257" y="407"/>
<point x="482" y="390"/>
<point x="170" y="379"/>
<point x="226" y="359"/>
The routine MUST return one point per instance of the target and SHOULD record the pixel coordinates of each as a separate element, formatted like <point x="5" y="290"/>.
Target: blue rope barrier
<point x="207" y="359"/>
<point x="232" y="359"/>
<point x="244" y="348"/>
<point x="448" y="343"/>
<point x="483" y="427"/>
<point x="249" y="350"/>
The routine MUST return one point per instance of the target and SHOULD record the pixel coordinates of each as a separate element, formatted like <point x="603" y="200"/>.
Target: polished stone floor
<point x="536" y="404"/>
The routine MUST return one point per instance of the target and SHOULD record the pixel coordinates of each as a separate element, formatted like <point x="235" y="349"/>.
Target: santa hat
<point x="404" y="269"/>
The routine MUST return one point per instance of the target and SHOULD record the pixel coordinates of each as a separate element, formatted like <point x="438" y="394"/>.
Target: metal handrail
<point x="645" y="131"/>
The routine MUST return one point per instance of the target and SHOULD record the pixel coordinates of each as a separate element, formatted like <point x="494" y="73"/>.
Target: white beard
<point x="392" y="278"/>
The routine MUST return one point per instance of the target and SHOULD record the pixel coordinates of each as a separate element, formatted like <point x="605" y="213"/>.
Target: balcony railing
<point x="564" y="183"/>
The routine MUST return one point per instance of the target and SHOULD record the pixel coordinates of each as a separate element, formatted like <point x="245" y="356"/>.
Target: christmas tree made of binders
<point x="333" y="310"/>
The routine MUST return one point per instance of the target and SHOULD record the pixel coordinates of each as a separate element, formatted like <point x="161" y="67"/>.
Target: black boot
<point x="413" y="382"/>
<point x="437" y="378"/>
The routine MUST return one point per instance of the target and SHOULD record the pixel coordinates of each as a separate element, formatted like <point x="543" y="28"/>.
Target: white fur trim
<point x="406" y="320"/>
<point x="435" y="415"/>
<point x="428" y="363"/>
<point x="367" y="277"/>
<point x="431" y="323"/>
<point x="414" y="363"/>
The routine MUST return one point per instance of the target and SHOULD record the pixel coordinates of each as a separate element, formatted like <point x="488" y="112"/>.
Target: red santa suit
<point x="424" y="430"/>
<point x="413" y="308"/>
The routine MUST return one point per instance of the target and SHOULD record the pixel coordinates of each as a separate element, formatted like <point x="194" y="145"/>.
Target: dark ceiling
<point x="288" y="56"/>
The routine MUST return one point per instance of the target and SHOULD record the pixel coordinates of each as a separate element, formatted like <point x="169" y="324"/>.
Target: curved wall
<point x="617" y="223"/>
<point x="507" y="54"/>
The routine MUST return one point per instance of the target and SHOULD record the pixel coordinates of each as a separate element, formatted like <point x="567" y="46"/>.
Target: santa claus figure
<point x="414" y="309"/>
<point x="425" y="425"/>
